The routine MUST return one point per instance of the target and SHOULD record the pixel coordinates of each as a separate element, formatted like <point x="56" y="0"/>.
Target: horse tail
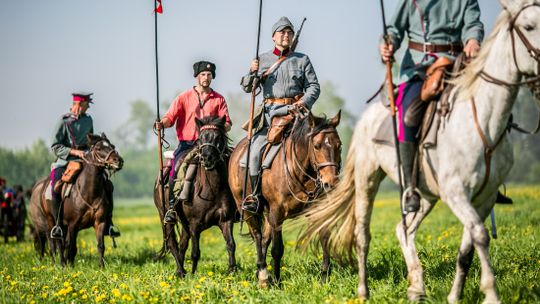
<point x="333" y="216"/>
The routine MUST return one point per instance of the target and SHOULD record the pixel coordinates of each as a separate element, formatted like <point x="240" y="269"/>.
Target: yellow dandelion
<point x="164" y="284"/>
<point x="44" y="295"/>
<point x="126" y="298"/>
<point x="245" y="284"/>
<point x="197" y="286"/>
<point x="123" y="286"/>
<point x="116" y="293"/>
<point x="84" y="296"/>
<point x="202" y="279"/>
<point x="210" y="273"/>
<point x="66" y="284"/>
<point x="270" y="266"/>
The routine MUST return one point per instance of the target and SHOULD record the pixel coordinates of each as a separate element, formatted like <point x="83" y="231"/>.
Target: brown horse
<point x="89" y="203"/>
<point x="306" y="165"/>
<point x="212" y="203"/>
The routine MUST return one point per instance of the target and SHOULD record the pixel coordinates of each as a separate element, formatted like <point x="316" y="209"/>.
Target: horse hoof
<point x="415" y="295"/>
<point x="181" y="274"/>
<point x="264" y="278"/>
<point x="232" y="269"/>
<point x="363" y="294"/>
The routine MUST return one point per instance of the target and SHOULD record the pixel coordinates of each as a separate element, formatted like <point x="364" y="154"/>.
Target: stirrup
<point x="57" y="233"/>
<point x="171" y="217"/>
<point x="408" y="193"/>
<point x="114" y="232"/>
<point x="251" y="203"/>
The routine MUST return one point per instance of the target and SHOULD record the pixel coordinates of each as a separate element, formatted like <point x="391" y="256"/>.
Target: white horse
<point x="481" y="104"/>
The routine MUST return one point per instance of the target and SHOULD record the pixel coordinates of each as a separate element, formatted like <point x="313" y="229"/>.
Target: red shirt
<point x="186" y="107"/>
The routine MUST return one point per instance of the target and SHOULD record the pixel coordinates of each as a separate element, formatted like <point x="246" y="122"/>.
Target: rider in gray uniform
<point x="289" y="83"/>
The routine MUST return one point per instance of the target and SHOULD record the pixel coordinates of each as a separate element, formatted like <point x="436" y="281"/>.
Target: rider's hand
<point x="387" y="51"/>
<point x="298" y="107"/>
<point x="158" y="125"/>
<point x="254" y="66"/>
<point x="78" y="153"/>
<point x="471" y="48"/>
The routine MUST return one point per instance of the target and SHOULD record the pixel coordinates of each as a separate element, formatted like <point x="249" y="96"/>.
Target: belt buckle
<point x="425" y="47"/>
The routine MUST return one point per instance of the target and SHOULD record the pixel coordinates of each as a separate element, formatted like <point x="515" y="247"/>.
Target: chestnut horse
<point x="88" y="205"/>
<point x="307" y="164"/>
<point x="212" y="203"/>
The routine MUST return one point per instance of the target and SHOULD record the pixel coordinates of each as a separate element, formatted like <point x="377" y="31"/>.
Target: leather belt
<point x="279" y="101"/>
<point x="284" y="100"/>
<point x="436" y="48"/>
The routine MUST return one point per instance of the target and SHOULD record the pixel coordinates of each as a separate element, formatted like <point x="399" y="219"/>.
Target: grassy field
<point x="131" y="274"/>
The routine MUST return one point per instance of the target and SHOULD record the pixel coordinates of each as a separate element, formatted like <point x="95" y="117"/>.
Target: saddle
<point x="435" y="110"/>
<point x="68" y="178"/>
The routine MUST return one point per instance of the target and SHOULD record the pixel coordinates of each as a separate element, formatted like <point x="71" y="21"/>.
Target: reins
<point x="293" y="180"/>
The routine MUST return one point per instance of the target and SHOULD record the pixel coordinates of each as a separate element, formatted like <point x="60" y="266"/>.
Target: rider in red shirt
<point x="196" y="102"/>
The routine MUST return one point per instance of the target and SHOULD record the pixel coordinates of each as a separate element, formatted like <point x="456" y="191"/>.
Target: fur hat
<point x="202" y="66"/>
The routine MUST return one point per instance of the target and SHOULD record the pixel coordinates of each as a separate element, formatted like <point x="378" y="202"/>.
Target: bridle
<point x="533" y="81"/>
<point x="294" y="180"/>
<point x="97" y="160"/>
<point x="201" y="145"/>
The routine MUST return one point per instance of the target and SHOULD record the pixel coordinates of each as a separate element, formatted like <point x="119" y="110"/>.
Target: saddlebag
<point x="434" y="83"/>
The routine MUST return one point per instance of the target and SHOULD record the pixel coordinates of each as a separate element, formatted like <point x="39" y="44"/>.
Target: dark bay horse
<point x="88" y="205"/>
<point x="212" y="203"/>
<point x="307" y="164"/>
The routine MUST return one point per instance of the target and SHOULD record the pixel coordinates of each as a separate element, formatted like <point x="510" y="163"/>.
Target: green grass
<point x="131" y="274"/>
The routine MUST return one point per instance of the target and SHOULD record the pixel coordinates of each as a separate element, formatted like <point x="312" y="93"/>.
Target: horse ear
<point x="311" y="120"/>
<point x="92" y="139"/>
<point x="223" y="120"/>
<point x="103" y="135"/>
<point x="335" y="120"/>
<point x="198" y="122"/>
<point x="510" y="5"/>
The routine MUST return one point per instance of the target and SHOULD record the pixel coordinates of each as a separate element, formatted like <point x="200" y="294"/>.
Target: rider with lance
<point x="289" y="85"/>
<point x="69" y="143"/>
<point x="197" y="102"/>
<point x="436" y="30"/>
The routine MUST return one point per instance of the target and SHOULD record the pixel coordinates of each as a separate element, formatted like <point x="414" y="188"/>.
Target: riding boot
<point x="251" y="203"/>
<point x="187" y="187"/>
<point x="411" y="196"/>
<point x="56" y="231"/>
<point x="171" y="216"/>
<point x="503" y="199"/>
<point x="113" y="231"/>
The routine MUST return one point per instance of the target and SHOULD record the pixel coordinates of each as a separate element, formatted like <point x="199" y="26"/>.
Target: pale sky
<point x="51" y="48"/>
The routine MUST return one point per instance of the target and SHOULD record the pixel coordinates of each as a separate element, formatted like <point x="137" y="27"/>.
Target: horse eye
<point x="529" y="27"/>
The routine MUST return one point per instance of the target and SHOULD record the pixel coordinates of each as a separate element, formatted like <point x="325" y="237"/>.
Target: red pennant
<point x="159" y="8"/>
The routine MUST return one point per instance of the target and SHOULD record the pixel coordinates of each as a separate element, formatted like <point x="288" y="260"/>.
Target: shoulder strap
<point x="274" y="66"/>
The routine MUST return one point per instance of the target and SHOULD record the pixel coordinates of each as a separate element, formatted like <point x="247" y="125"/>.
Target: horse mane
<point x="466" y="81"/>
<point x="299" y="134"/>
<point x="219" y="123"/>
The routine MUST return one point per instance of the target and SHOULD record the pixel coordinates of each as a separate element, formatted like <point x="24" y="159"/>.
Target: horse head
<point x="212" y="143"/>
<point x="525" y="36"/>
<point x="102" y="153"/>
<point x="325" y="149"/>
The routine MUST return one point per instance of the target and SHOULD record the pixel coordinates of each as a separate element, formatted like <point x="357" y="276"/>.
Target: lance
<point x="159" y="132"/>
<point x="390" y="86"/>
<point x="250" y="125"/>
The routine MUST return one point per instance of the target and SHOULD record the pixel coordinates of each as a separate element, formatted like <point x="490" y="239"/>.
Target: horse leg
<point x="277" y="251"/>
<point x="255" y="226"/>
<point x="415" y="272"/>
<point x="366" y="186"/>
<point x="326" y="267"/>
<point x="72" y="245"/>
<point x="100" y="237"/>
<point x="463" y="263"/>
<point x="473" y="222"/>
<point x="172" y="244"/>
<point x="266" y="237"/>
<point x="195" y="250"/>
<point x="184" y="243"/>
<point x="227" y="231"/>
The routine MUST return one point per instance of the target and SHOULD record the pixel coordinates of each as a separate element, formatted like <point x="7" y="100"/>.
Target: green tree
<point x="137" y="130"/>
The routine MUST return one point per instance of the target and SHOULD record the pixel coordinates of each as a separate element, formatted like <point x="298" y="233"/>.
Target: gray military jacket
<point x="294" y="76"/>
